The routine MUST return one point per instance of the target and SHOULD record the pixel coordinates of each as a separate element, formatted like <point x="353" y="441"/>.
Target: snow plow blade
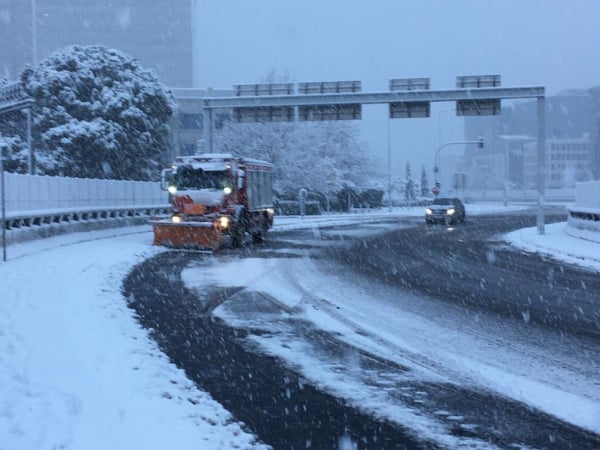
<point x="187" y="235"/>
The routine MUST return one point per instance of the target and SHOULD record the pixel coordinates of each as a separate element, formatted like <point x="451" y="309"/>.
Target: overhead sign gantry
<point x="407" y="98"/>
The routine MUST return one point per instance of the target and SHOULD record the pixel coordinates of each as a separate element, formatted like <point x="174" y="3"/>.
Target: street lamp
<point x="436" y="169"/>
<point x="33" y="32"/>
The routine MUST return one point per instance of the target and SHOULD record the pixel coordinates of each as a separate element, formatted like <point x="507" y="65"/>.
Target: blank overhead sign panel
<point x="248" y="114"/>
<point x="329" y="87"/>
<point x="263" y="114"/>
<point x="491" y="107"/>
<point x="478" y="107"/>
<point x="329" y="112"/>
<point x="352" y="111"/>
<point x="405" y="110"/>
<point x="256" y="90"/>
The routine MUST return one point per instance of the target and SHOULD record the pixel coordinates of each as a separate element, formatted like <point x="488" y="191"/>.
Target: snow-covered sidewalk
<point x="76" y="369"/>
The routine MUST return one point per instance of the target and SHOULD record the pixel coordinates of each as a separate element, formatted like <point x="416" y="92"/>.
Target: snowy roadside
<point x="560" y="242"/>
<point x="383" y="214"/>
<point x="76" y="369"/>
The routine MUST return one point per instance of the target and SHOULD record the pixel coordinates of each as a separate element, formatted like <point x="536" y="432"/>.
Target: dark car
<point x="445" y="210"/>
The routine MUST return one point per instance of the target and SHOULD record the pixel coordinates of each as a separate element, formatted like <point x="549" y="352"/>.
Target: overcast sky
<point x="548" y="43"/>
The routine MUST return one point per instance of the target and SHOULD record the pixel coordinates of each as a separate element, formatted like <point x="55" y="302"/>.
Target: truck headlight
<point x="227" y="190"/>
<point x="451" y="211"/>
<point x="172" y="189"/>
<point x="224" y="222"/>
<point x="428" y="211"/>
<point x="176" y="219"/>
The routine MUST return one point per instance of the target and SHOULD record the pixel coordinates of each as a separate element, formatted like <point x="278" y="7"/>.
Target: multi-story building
<point x="157" y="33"/>
<point x="567" y="161"/>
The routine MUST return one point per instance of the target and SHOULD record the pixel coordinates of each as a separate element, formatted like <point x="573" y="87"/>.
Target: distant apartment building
<point x="157" y="33"/>
<point x="567" y="161"/>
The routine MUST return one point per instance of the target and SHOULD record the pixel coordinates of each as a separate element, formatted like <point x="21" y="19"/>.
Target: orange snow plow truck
<point x="215" y="195"/>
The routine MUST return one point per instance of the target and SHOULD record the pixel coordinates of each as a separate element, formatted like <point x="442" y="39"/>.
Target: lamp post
<point x="33" y="32"/>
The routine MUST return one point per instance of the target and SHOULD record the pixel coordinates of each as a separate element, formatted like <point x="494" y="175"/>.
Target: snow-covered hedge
<point x="39" y="193"/>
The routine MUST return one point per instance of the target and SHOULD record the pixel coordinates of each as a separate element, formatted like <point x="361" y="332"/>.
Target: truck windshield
<point x="189" y="178"/>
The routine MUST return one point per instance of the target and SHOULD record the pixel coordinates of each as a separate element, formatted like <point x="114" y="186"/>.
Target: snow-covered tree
<point x="409" y="190"/>
<point x="424" y="183"/>
<point x="12" y="133"/>
<point x="322" y="157"/>
<point x="98" y="113"/>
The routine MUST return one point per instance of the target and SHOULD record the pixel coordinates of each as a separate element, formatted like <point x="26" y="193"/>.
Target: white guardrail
<point x="34" y="202"/>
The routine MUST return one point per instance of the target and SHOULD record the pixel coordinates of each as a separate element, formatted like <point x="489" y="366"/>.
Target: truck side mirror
<point x="240" y="180"/>
<point x="165" y="176"/>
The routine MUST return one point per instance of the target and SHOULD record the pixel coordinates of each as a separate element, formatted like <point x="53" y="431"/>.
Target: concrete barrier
<point x="584" y="214"/>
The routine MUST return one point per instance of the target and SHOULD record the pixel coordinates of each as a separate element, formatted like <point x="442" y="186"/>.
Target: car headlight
<point x="172" y="189"/>
<point x="451" y="211"/>
<point x="223" y="222"/>
<point x="428" y="211"/>
<point x="176" y="219"/>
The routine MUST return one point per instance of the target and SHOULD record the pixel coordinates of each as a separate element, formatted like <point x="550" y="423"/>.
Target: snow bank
<point x="560" y="242"/>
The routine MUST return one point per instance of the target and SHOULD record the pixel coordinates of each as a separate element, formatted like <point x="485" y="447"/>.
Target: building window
<point x="221" y="120"/>
<point x="190" y="121"/>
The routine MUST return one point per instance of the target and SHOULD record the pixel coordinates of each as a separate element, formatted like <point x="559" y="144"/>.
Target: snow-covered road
<point x="437" y="342"/>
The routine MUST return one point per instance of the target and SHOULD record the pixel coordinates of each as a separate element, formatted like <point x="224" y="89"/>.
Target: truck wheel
<point x="237" y="237"/>
<point x="238" y="231"/>
<point x="260" y="235"/>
